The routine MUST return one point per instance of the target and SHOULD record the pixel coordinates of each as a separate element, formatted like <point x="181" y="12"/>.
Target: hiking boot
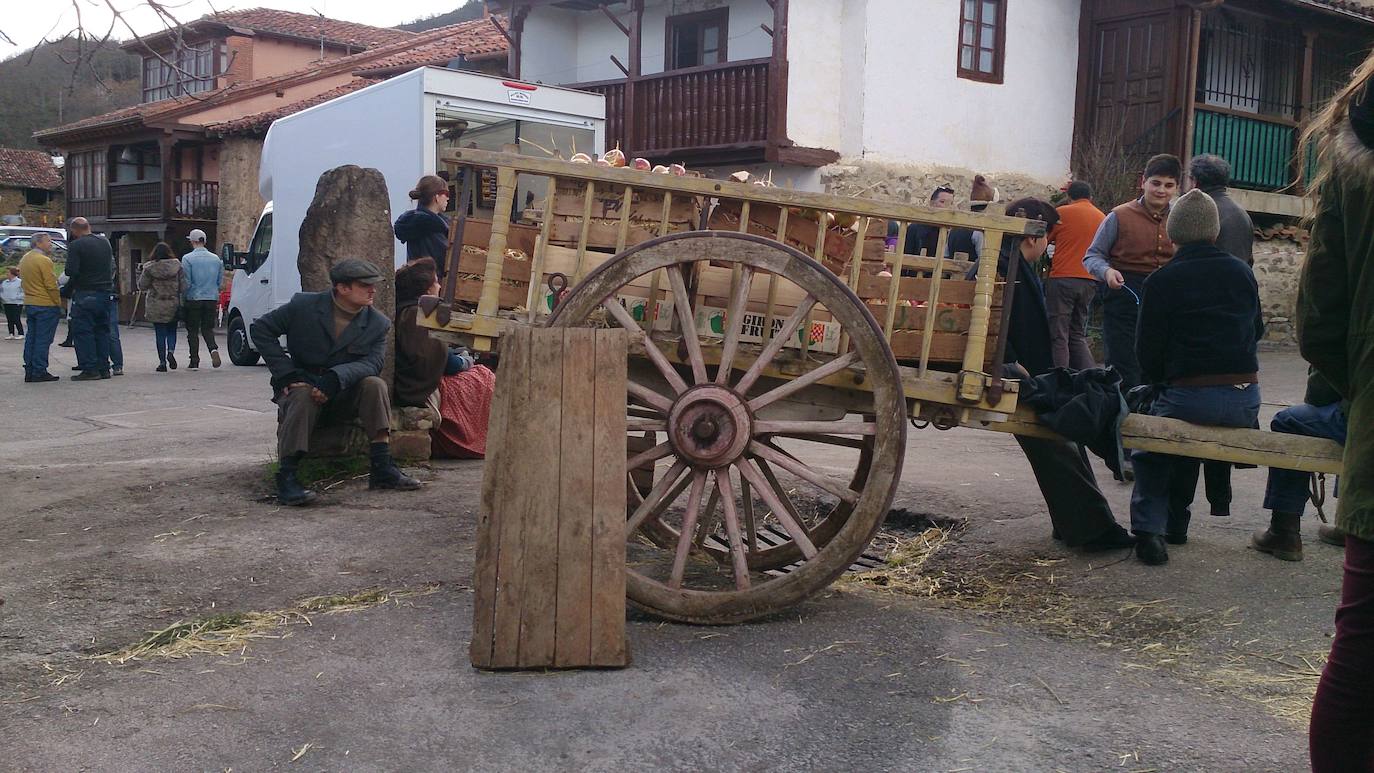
<point x="1150" y="549"/>
<point x="194" y="365"/>
<point x="214" y="358"/>
<point x="162" y="368"/>
<point x="40" y="378"/>
<point x="87" y="375"/>
<point x="290" y="492"/>
<point x="384" y="473"/>
<point x="1115" y="539"/>
<point x="106" y="374"/>
<point x="1331" y="535"/>
<point x="1176" y="537"/>
<point x="171" y="361"/>
<point x="1283" y="538"/>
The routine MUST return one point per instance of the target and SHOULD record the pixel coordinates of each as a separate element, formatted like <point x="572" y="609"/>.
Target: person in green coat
<point x="1335" y="321"/>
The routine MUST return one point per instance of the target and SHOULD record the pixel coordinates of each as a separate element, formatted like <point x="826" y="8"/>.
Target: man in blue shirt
<point x="204" y="277"/>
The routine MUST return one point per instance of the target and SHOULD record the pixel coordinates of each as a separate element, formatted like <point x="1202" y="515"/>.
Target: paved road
<point x="134" y="503"/>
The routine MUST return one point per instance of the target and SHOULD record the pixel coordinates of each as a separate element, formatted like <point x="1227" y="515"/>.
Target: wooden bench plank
<point x="608" y="526"/>
<point x="511" y="498"/>
<point x="573" y="635"/>
<point x="539" y="477"/>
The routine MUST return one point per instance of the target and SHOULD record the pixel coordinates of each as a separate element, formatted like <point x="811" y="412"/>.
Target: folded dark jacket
<point x="1084" y="406"/>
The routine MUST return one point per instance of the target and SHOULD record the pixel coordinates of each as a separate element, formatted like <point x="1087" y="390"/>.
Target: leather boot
<point x="1331" y="535"/>
<point x="290" y="492"/>
<point x="385" y="474"/>
<point x="1150" y="548"/>
<point x="1283" y="538"/>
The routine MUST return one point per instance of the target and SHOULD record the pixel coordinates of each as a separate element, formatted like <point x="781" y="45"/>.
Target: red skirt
<point x="464" y="405"/>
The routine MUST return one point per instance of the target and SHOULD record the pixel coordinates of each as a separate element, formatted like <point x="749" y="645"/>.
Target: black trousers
<point x="14" y="318"/>
<point x="200" y="321"/>
<point x="1120" y="315"/>
<point x="1078" y="510"/>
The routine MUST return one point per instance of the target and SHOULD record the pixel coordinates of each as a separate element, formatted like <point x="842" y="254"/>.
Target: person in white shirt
<point x="12" y="294"/>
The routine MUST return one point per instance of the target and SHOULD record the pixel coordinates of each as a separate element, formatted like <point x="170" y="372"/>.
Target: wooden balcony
<point x="1261" y="149"/>
<point x="714" y="113"/>
<point x="190" y="200"/>
<point x="135" y="200"/>
<point x="195" y="200"/>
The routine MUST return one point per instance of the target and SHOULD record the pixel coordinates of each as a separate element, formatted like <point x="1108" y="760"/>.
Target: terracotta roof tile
<point x="476" y="38"/>
<point x="297" y="25"/>
<point x="1363" y="8"/>
<point x="260" y="121"/>
<point x="28" y="169"/>
<point x="470" y="38"/>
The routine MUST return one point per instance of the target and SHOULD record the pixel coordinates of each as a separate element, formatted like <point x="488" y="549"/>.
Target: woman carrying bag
<point x="165" y="283"/>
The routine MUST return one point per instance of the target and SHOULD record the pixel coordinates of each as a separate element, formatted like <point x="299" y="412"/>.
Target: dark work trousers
<point x="14" y="318"/>
<point x="90" y="326"/>
<point x="1120" y="314"/>
<point x="1067" y="301"/>
<point x="297" y="414"/>
<point x="1216" y="481"/>
<point x="1341" y="737"/>
<point x="1077" y="508"/>
<point x="200" y="321"/>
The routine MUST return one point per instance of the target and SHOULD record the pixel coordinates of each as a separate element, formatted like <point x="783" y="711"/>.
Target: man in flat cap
<point x="335" y="345"/>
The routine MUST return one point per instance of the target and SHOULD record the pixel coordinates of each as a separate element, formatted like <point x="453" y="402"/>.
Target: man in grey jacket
<point x="335" y="345"/>
<point x="1212" y="174"/>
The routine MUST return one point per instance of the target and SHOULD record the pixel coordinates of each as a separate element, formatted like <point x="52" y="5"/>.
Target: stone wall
<point x="12" y="202"/>
<point x="1278" y="262"/>
<point x="913" y="184"/>
<point x="239" y="202"/>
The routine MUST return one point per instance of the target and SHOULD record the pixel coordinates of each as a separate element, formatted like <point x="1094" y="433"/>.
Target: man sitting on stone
<point x="337" y="344"/>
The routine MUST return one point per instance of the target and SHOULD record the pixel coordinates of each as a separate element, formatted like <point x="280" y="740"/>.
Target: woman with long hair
<point x="424" y="230"/>
<point x="165" y="283"/>
<point x="1335" y="323"/>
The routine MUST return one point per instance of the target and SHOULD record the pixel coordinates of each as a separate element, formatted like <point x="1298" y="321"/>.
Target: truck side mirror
<point x="232" y="259"/>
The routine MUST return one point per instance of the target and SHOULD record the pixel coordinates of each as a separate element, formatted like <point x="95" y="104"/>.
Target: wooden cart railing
<point x="944" y="329"/>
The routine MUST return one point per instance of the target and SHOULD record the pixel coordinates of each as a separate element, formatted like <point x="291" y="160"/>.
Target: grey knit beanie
<point x="1193" y="218"/>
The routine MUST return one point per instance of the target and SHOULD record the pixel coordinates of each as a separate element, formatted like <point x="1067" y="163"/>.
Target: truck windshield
<point x="456" y="129"/>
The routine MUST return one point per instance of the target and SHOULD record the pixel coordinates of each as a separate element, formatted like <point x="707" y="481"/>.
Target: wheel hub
<point x="709" y="426"/>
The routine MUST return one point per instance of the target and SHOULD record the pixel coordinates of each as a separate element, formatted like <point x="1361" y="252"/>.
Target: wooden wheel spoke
<point x="803" y="381"/>
<point x="652" y="455"/>
<point x="646" y="425"/>
<point x="816" y="427"/>
<point x="751" y="529"/>
<point x="732" y="530"/>
<point x="626" y="321"/>
<point x="781" y="493"/>
<point x="775" y="345"/>
<point x="830" y="440"/>
<point x="649" y="397"/>
<point x="658" y="499"/>
<point x="780" y="511"/>
<point x="689" y="522"/>
<point x="687" y="320"/>
<point x="706" y="524"/>
<point x="734" y="317"/>
<point x="814" y="477"/>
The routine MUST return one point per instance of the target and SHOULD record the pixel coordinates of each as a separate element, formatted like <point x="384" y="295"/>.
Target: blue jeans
<point x="116" y="348"/>
<point x="166" y="335"/>
<point x="42" y="329"/>
<point x="1165" y="484"/>
<point x="90" y="325"/>
<point x="1287" y="490"/>
<point x="1120" y="314"/>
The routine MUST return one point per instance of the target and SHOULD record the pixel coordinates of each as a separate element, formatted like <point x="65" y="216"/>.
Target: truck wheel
<point x="239" y="351"/>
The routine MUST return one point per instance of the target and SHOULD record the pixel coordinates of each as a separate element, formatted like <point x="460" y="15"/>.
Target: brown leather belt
<point x="1216" y="379"/>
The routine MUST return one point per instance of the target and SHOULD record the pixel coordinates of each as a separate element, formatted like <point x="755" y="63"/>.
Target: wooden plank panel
<point x="540" y="465"/>
<point x="573" y="632"/>
<point x="511" y="498"/>
<point x="952" y="291"/>
<point x="602" y="234"/>
<point x="477" y="233"/>
<point x="608" y="526"/>
<point x="944" y="347"/>
<point x="494" y="481"/>
<point x="948" y="319"/>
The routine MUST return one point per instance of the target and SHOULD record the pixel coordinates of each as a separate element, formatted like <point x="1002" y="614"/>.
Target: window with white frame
<point x="187" y="70"/>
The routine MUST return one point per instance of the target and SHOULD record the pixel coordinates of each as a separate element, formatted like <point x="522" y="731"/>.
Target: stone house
<point x="154" y="171"/>
<point x="31" y="187"/>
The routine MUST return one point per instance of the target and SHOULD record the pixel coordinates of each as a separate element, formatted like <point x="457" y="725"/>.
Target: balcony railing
<point x="716" y="107"/>
<point x="195" y="199"/>
<point x="1260" y="150"/>
<point x="135" y="199"/>
<point x="86" y="207"/>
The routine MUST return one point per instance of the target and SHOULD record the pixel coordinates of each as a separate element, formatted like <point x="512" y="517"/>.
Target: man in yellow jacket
<point x="42" y="307"/>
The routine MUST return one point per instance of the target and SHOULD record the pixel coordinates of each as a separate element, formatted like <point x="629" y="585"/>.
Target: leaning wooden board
<point x="549" y="583"/>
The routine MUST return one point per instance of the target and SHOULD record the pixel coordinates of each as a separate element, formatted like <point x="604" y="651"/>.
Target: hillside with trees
<point x="41" y="88"/>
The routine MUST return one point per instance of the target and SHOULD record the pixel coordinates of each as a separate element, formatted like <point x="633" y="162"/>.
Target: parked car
<point x="12" y="248"/>
<point x="23" y="230"/>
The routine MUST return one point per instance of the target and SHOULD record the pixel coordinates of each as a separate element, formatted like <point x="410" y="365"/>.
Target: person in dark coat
<point x="1212" y="174"/>
<point x="1081" y="515"/>
<point x="1199" y="328"/>
<point x="922" y="239"/>
<point x="1335" y="321"/>
<point x="337" y="344"/>
<point x="424" y="230"/>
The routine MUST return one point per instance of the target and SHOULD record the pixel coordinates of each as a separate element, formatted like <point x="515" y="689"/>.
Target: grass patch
<point x="230" y="633"/>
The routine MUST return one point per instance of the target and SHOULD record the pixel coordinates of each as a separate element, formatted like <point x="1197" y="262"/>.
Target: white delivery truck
<point x="401" y="127"/>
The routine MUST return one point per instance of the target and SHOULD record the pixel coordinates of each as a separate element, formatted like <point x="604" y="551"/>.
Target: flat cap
<point x="354" y="270"/>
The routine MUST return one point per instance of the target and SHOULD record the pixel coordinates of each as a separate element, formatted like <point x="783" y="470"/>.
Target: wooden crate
<point x="802" y="232"/>
<point x="568" y="204"/>
<point x="549" y="584"/>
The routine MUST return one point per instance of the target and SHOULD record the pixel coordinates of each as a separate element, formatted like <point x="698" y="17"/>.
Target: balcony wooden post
<point x="517" y="29"/>
<point x="1305" y="86"/>
<point x="1189" y="78"/>
<point x="629" y="126"/>
<point x="165" y="146"/>
<point x="777" y="83"/>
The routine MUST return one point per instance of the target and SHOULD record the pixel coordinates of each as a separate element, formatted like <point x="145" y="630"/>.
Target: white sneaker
<point x="9" y="338"/>
<point x="19" y="337"/>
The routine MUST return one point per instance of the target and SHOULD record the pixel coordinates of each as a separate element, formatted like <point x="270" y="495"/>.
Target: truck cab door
<point x="251" y="292"/>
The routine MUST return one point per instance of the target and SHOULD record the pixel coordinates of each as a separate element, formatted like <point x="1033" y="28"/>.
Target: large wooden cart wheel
<point x="721" y="470"/>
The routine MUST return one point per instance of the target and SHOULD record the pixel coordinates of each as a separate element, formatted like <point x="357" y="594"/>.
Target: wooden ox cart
<point x="777" y="356"/>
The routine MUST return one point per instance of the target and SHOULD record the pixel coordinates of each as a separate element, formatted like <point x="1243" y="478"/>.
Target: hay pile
<point x="227" y="634"/>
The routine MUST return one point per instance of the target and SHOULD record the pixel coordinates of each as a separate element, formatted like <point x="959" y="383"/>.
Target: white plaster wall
<point x="818" y="48"/>
<point x="571" y="47"/>
<point x="916" y="109"/>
